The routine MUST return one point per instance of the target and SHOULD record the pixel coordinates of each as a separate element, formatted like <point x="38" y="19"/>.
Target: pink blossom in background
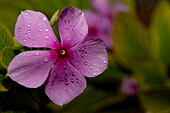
<point x="62" y="68"/>
<point x="129" y="86"/>
<point x="101" y="21"/>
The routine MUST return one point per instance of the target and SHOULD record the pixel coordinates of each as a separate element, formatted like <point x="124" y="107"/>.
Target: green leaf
<point x="160" y="31"/>
<point x="131" y="41"/>
<point x="2" y="88"/>
<point x="151" y="75"/>
<point x="157" y="101"/>
<point x="6" y="39"/>
<point x="54" y="18"/>
<point x="7" y="55"/>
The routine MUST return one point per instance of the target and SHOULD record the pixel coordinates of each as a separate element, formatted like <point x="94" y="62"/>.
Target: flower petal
<point x="31" y="68"/>
<point x="64" y="83"/>
<point x="102" y="6"/>
<point x="33" y="30"/>
<point x="119" y="7"/>
<point x="102" y="30"/>
<point x="89" y="57"/>
<point x="72" y="26"/>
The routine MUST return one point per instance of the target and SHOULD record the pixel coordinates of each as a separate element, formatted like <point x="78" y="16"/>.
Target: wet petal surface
<point x="31" y="68"/>
<point x="72" y="26"/>
<point x="64" y="83"/>
<point x="89" y="57"/>
<point x="33" y="29"/>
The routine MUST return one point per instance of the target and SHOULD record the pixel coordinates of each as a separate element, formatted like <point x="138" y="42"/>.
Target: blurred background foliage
<point x="141" y="50"/>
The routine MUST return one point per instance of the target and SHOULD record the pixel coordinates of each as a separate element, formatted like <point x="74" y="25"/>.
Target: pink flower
<point x="129" y="86"/>
<point x="100" y="22"/>
<point x="62" y="68"/>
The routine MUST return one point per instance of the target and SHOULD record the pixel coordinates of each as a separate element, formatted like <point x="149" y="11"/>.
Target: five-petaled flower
<point x="62" y="68"/>
<point x="101" y="21"/>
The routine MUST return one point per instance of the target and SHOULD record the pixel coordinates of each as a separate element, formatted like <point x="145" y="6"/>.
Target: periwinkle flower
<point x="101" y="21"/>
<point x="129" y="85"/>
<point x="62" y="68"/>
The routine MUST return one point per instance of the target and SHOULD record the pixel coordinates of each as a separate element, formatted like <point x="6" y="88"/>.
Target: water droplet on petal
<point x="40" y="29"/>
<point x="105" y="61"/>
<point x="46" y="36"/>
<point x="85" y="62"/>
<point x="60" y="80"/>
<point x="19" y="29"/>
<point x="46" y="59"/>
<point x="26" y="60"/>
<point x="72" y="80"/>
<point x="29" y="30"/>
<point x="70" y="90"/>
<point x="26" y="34"/>
<point x="26" y="14"/>
<point x="28" y="25"/>
<point x="66" y="82"/>
<point x="64" y="66"/>
<point x="77" y="80"/>
<point x="46" y="30"/>
<point x="44" y="19"/>
<point x="91" y="67"/>
<point x="53" y="98"/>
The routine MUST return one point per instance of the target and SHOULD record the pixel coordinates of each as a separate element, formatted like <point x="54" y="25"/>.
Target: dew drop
<point x="19" y="29"/>
<point x="26" y="60"/>
<point x="40" y="29"/>
<point x="64" y="67"/>
<point x="46" y="30"/>
<point x="26" y="34"/>
<point x="46" y="36"/>
<point x="53" y="98"/>
<point x="60" y="80"/>
<point x="66" y="82"/>
<point x="77" y="80"/>
<point x="18" y="62"/>
<point x="28" y="25"/>
<point x="82" y="14"/>
<point x="26" y="14"/>
<point x="35" y="81"/>
<point x="91" y="67"/>
<point x="85" y="62"/>
<point x="44" y="19"/>
<point x="64" y="88"/>
<point x="70" y="90"/>
<point x="105" y="61"/>
<point x="29" y="30"/>
<point x="72" y="80"/>
<point x="46" y="59"/>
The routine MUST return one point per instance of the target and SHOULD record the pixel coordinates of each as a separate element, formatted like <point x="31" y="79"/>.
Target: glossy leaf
<point x="160" y="28"/>
<point x="131" y="41"/>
